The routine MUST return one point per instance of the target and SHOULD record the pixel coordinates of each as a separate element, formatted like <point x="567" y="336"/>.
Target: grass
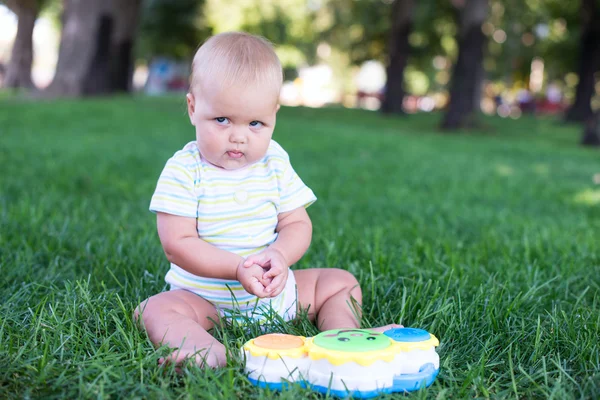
<point x="488" y="240"/>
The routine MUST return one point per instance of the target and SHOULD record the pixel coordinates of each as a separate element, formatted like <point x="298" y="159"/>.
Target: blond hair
<point x="234" y="58"/>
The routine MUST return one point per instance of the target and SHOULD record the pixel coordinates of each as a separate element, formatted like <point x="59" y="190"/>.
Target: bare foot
<point x="385" y="327"/>
<point x="213" y="357"/>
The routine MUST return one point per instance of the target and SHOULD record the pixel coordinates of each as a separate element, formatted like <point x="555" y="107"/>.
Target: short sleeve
<point x="293" y="192"/>
<point x="175" y="191"/>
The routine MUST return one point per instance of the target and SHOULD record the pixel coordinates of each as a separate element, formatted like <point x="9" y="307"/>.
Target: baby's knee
<point x="152" y="307"/>
<point x="173" y="304"/>
<point x="347" y="281"/>
<point x="346" y="277"/>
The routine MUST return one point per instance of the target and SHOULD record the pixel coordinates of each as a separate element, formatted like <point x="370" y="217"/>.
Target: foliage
<point x="53" y="10"/>
<point x="548" y="29"/>
<point x="14" y="4"/>
<point x="171" y="28"/>
<point x="288" y="24"/>
<point x="362" y="28"/>
<point x="357" y="31"/>
<point x="490" y="242"/>
<point x="534" y="28"/>
<point x="358" y="28"/>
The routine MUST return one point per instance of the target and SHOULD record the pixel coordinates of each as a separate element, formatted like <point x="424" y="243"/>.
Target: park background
<point x="452" y="146"/>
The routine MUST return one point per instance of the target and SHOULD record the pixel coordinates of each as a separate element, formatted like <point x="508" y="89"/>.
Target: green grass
<point x="490" y="241"/>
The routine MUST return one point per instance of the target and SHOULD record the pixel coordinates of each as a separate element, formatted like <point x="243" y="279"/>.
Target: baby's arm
<point x="295" y="232"/>
<point x="184" y="248"/>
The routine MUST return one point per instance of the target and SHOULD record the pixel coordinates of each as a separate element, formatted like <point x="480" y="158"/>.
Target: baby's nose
<point x="238" y="136"/>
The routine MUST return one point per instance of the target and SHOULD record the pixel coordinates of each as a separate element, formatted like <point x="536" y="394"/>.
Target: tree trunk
<point x="589" y="62"/>
<point x="78" y="46"/>
<point x="96" y="48"/>
<point x="399" y="50"/>
<point x="122" y="46"/>
<point x="18" y="72"/>
<point x="468" y="71"/>
<point x="591" y="132"/>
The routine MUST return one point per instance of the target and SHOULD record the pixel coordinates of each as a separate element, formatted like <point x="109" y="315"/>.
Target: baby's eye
<point x="256" y="124"/>
<point x="222" y="120"/>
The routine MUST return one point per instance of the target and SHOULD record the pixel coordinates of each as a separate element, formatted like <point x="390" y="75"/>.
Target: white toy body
<point x="353" y="362"/>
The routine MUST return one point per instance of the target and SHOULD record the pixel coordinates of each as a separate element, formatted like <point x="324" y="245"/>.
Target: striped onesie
<point x="235" y="210"/>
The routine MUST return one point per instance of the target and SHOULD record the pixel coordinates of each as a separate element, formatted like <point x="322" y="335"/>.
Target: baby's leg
<point x="181" y="319"/>
<point x="333" y="297"/>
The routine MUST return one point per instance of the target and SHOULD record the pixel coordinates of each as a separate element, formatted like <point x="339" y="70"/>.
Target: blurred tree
<point x="520" y="31"/>
<point x="362" y="30"/>
<point x="18" y="73"/>
<point x="359" y="28"/>
<point x="589" y="61"/>
<point x="556" y="27"/>
<point x="591" y="131"/>
<point x="126" y="15"/>
<point x="348" y="32"/>
<point x="433" y="35"/>
<point x="467" y="76"/>
<point x="291" y="25"/>
<point x="398" y="52"/>
<point x="95" y="55"/>
<point x="171" y="29"/>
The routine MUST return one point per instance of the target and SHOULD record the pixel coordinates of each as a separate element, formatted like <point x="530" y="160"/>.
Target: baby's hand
<point x="277" y="269"/>
<point x="278" y="278"/>
<point x="252" y="279"/>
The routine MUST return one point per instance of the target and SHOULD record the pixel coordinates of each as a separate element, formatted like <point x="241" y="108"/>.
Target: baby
<point x="231" y="213"/>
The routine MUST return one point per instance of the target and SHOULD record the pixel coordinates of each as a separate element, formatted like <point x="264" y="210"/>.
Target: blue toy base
<point x="274" y="386"/>
<point x="412" y="382"/>
<point x="402" y="383"/>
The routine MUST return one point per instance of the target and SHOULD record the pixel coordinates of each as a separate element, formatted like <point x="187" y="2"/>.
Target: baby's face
<point x="233" y="128"/>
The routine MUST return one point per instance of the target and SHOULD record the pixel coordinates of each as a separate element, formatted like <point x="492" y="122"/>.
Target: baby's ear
<point x="191" y="106"/>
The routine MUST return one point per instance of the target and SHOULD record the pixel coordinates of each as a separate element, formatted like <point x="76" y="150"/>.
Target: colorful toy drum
<point x="356" y="362"/>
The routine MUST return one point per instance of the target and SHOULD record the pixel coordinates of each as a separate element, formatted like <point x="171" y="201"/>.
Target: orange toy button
<point x="278" y="341"/>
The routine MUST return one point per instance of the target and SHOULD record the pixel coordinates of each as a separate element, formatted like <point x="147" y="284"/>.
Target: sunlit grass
<point x="478" y="238"/>
<point x="589" y="197"/>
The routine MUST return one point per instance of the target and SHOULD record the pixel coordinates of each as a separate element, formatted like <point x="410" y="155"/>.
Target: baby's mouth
<point x="235" y="154"/>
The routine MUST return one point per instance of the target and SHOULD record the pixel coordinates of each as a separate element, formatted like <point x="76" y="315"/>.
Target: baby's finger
<point x="275" y="284"/>
<point x="258" y="259"/>
<point x="273" y="272"/>
<point x="258" y="289"/>
<point x="265" y="281"/>
<point x="251" y="260"/>
<point x="277" y="291"/>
